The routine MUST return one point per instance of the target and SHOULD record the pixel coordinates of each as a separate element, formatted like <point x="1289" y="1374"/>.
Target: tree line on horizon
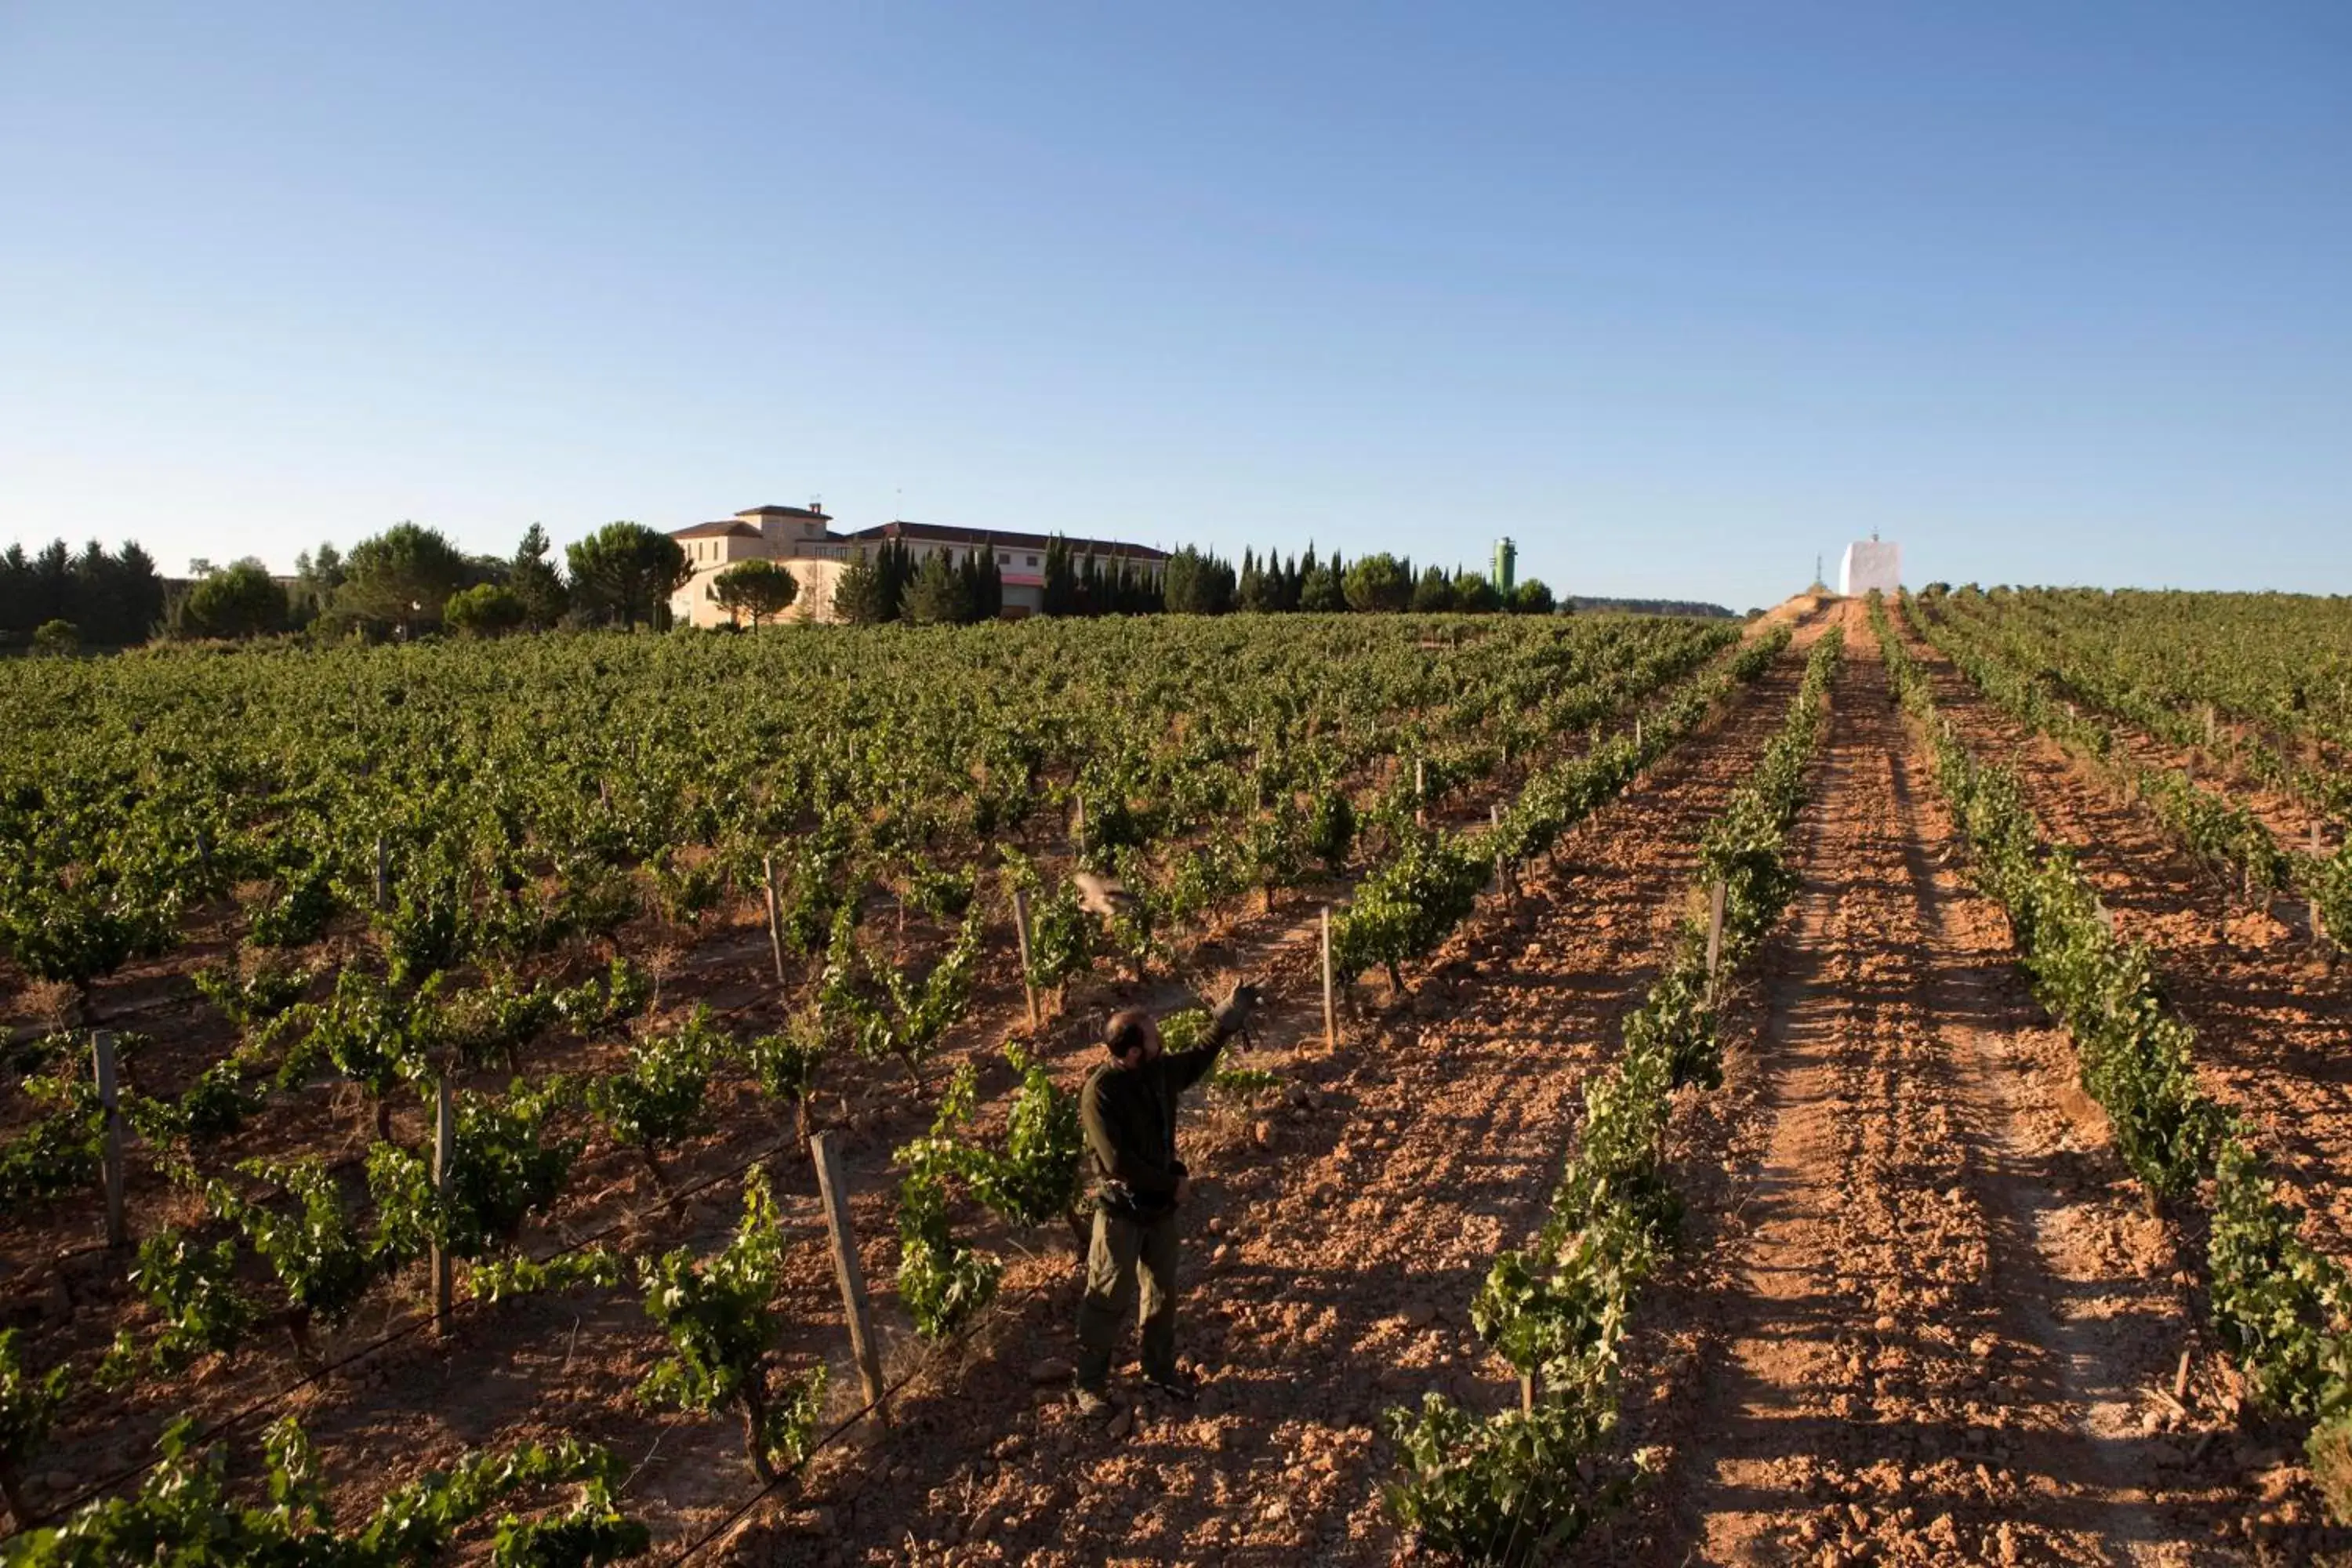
<point x="410" y="580"/>
<point x="1203" y="583"/>
<point x="57" y="597"/>
<point x="404" y="582"/>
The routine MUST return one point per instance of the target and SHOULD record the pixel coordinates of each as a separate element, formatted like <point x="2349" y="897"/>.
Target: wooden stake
<point x="775" y="915"/>
<point x="1078" y="830"/>
<point x="832" y="1191"/>
<point x="445" y="1149"/>
<point x="1526" y="1393"/>
<point x="383" y="875"/>
<point x="1330" y="1011"/>
<point x="1420" y="791"/>
<point x="117" y="1229"/>
<point x="1714" y="932"/>
<point x="1637" y="731"/>
<point x="1021" y="929"/>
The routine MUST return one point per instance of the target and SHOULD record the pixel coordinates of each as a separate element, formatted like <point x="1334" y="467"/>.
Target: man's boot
<point x="1175" y="1384"/>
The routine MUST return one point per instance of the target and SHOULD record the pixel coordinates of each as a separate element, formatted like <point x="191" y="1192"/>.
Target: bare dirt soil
<point x="544" y="1368"/>
<point x="1330" y="1260"/>
<point x="1935" y="1324"/>
<point x="1920" y="1314"/>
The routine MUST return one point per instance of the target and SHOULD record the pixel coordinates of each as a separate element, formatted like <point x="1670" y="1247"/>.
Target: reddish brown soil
<point x="1931" y="1325"/>
<point x="1920" y="1314"/>
<point x="1331" y="1265"/>
<point x="546" y="1368"/>
<point x="2271" y="1017"/>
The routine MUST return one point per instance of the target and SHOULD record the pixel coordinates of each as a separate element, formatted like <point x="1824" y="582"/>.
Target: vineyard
<point x="1864" y="1086"/>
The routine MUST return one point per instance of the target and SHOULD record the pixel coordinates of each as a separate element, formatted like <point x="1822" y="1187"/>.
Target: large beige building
<point x="798" y="537"/>
<point x="793" y="535"/>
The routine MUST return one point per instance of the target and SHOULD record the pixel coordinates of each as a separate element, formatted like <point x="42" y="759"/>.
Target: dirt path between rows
<point x="2271" y="1019"/>
<point x="1331" y="1269"/>
<point x="1941" y="1312"/>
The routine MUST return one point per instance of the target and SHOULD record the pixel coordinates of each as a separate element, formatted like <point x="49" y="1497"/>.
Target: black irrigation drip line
<point x="238" y="1417"/>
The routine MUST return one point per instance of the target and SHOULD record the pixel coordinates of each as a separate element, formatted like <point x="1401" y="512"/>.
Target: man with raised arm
<point x="1128" y="1108"/>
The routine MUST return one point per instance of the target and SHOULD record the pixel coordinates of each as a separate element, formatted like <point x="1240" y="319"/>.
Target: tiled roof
<point x="718" y="530"/>
<point x="999" y="539"/>
<point x="783" y="512"/>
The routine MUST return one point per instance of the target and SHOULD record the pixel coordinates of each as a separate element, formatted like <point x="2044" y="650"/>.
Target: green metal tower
<point x="1505" y="575"/>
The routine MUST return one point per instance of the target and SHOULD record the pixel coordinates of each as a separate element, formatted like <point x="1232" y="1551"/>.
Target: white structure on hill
<point x="1870" y="564"/>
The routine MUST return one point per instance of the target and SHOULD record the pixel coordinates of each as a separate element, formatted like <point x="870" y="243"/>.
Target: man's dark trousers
<point x="1122" y="1249"/>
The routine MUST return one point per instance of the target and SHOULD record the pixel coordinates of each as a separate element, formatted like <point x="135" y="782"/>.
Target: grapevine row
<point x="382" y="1032"/>
<point x="2247" y="676"/>
<point x="2277" y="1303"/>
<point x="2219" y="831"/>
<point x="1409" y="904"/>
<point x="1519" y="1486"/>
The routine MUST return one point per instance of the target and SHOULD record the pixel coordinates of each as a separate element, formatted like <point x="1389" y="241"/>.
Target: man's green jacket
<point x="1129" y="1114"/>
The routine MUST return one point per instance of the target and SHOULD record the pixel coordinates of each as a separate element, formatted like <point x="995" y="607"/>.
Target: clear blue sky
<point x="2049" y="292"/>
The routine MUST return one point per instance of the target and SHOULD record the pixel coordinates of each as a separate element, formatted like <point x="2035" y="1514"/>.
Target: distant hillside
<point x="1649" y="607"/>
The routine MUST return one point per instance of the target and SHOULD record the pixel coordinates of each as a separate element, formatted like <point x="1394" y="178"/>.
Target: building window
<point x="1033" y="561"/>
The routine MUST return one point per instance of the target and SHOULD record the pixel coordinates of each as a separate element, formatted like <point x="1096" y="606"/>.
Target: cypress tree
<point x="1060" y="594"/>
<point x="988" y="601"/>
<point x="902" y="574"/>
<point x="967" y="571"/>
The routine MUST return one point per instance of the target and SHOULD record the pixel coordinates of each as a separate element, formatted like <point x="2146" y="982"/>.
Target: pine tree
<point x="1319" y="589"/>
<point x="939" y="593"/>
<point x="535" y="580"/>
<point x="1194" y="582"/>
